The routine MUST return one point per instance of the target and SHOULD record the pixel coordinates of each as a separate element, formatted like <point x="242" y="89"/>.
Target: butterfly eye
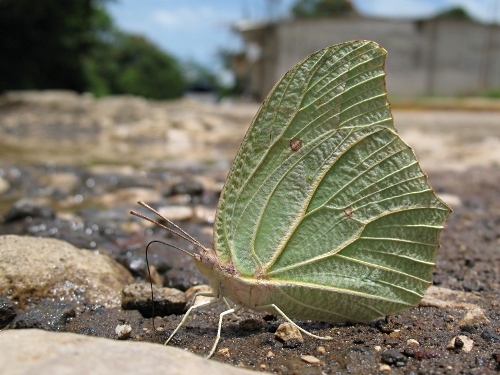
<point x="295" y="144"/>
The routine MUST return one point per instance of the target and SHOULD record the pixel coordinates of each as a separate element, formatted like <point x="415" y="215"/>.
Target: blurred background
<point x="164" y="49"/>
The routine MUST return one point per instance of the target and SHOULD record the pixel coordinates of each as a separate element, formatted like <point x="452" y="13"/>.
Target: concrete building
<point x="427" y="57"/>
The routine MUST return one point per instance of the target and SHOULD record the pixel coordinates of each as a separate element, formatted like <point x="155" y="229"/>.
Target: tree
<point x="455" y="13"/>
<point x="73" y="44"/>
<point x="43" y="41"/>
<point x="321" y="8"/>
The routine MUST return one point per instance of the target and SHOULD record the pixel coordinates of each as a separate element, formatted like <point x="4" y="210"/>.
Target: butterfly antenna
<point x="184" y="235"/>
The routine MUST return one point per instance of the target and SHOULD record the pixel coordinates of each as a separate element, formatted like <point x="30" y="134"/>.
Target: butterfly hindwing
<point x="323" y="194"/>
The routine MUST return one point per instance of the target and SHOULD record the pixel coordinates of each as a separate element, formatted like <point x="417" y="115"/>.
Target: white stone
<point x="310" y="359"/>
<point x="452" y="200"/>
<point x="177" y="213"/>
<point x="4" y="185"/>
<point x="468" y="344"/>
<point x="123" y="331"/>
<point x="36" y="352"/>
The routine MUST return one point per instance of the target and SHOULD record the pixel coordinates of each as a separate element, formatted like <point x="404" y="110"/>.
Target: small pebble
<point x="384" y="368"/>
<point x="270" y="354"/>
<point x="310" y="359"/>
<point x="393" y="357"/>
<point x="262" y="366"/>
<point x="474" y="316"/>
<point x="321" y="350"/>
<point x="224" y="352"/>
<point x="123" y="331"/>
<point x="377" y="348"/>
<point x="287" y="332"/>
<point x="412" y="342"/>
<point x="460" y="343"/>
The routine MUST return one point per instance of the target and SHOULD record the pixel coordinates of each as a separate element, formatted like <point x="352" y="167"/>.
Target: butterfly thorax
<point x="226" y="281"/>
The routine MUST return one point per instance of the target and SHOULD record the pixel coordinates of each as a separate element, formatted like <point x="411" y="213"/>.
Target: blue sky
<point x="197" y="29"/>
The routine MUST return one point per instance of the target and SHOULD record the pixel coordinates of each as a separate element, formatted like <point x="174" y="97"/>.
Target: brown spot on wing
<point x="295" y="144"/>
<point x="348" y="212"/>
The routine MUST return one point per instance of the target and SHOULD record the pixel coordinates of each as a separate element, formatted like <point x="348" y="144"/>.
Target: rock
<point x="45" y="268"/>
<point x="136" y="263"/>
<point x="177" y="213"/>
<point x="65" y="181"/>
<point x="47" y="315"/>
<point x="128" y="196"/>
<point x="204" y="214"/>
<point x="490" y="336"/>
<point x="384" y="368"/>
<point x="394" y="358"/>
<point x="33" y="352"/>
<point x="123" y="331"/>
<point x="7" y="311"/>
<point x="412" y="342"/>
<point x="184" y="279"/>
<point x="443" y="298"/>
<point x="26" y="207"/>
<point x="224" y="352"/>
<point x="474" y="316"/>
<point x="4" y="185"/>
<point x="460" y="343"/>
<point x="452" y="200"/>
<point x="168" y="301"/>
<point x="188" y="187"/>
<point x="288" y="332"/>
<point x="310" y="359"/>
<point x="321" y="350"/>
<point x="429" y="353"/>
<point x="198" y="289"/>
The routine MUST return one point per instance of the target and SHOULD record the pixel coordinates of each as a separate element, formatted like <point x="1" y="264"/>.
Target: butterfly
<point x="326" y="214"/>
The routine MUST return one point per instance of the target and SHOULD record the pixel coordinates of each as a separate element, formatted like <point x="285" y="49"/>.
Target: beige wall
<point x="430" y="57"/>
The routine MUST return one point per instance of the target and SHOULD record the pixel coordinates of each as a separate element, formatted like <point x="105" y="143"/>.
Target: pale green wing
<point x="324" y="194"/>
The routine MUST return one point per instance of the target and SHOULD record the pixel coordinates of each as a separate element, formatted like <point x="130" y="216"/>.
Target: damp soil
<point x="462" y="162"/>
<point x="468" y="261"/>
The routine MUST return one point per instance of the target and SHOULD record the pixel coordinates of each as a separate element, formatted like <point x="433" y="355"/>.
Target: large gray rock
<point x="34" y="268"/>
<point x="35" y="352"/>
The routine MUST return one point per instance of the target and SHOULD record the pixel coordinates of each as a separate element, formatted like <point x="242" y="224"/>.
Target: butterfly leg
<point x="229" y="307"/>
<point x="278" y="310"/>
<point x="219" y="328"/>
<point x="206" y="303"/>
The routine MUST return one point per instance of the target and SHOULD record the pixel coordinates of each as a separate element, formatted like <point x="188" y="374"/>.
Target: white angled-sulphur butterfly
<point x="325" y="214"/>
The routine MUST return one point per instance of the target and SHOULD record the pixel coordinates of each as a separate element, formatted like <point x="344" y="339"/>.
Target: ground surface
<point x="460" y="151"/>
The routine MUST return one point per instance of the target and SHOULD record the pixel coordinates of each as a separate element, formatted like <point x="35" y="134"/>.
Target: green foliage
<point x="455" y="13"/>
<point x="493" y="93"/>
<point x="42" y="43"/>
<point x="321" y="8"/>
<point x="129" y="64"/>
<point x="61" y="44"/>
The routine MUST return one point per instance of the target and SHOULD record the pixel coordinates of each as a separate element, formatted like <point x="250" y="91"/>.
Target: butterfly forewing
<point x="324" y="196"/>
